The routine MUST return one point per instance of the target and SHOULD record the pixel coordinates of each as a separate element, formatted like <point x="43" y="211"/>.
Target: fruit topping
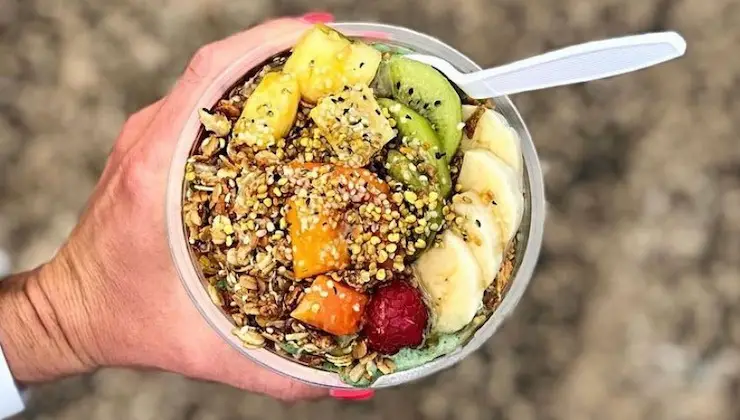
<point x="425" y="90"/>
<point x="353" y="124"/>
<point x="477" y="226"/>
<point x="315" y="221"/>
<point x="332" y="307"/>
<point x="452" y="279"/>
<point x="269" y="112"/>
<point x="396" y="317"/>
<point x="324" y="61"/>
<point x="496" y="183"/>
<point x="420" y="144"/>
<point x="489" y="130"/>
<point x="318" y="246"/>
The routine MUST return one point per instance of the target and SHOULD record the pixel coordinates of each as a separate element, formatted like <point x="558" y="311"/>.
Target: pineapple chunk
<point x="361" y="64"/>
<point x="269" y="112"/>
<point x="353" y="124"/>
<point x="324" y="62"/>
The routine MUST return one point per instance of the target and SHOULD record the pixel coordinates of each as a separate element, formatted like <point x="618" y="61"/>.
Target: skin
<point x="111" y="296"/>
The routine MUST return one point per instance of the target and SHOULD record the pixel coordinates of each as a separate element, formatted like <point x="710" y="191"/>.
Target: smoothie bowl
<point x="346" y="216"/>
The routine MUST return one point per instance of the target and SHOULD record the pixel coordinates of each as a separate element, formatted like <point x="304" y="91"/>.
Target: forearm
<point x="38" y="344"/>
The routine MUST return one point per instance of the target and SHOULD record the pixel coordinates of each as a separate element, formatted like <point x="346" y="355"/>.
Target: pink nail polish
<point x="345" y="394"/>
<point x="318" y="17"/>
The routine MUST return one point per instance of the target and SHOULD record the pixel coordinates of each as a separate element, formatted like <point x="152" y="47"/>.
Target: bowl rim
<point x="218" y="321"/>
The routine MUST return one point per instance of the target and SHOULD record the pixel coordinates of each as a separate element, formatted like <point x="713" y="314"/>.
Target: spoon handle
<point x="579" y="63"/>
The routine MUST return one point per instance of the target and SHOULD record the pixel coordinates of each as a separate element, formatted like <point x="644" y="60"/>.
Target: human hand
<point x="111" y="296"/>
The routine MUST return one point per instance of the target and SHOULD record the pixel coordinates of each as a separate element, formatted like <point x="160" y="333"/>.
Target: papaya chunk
<point x="318" y="244"/>
<point x="346" y="174"/>
<point x="318" y="235"/>
<point x="332" y="307"/>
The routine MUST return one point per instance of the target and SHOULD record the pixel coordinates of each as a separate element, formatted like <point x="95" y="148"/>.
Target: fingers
<point x="247" y="375"/>
<point x="274" y="385"/>
<point x="222" y="363"/>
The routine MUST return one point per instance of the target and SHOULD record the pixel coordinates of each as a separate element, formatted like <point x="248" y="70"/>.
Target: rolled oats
<point x="356" y="373"/>
<point x="385" y="366"/>
<point x="370" y="368"/>
<point x="296" y="336"/>
<point x="216" y="123"/>
<point x="359" y="350"/>
<point x="340" y="361"/>
<point x="368" y="358"/>
<point x="249" y="337"/>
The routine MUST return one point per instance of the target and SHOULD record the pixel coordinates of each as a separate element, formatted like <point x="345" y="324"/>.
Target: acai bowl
<point x="346" y="216"/>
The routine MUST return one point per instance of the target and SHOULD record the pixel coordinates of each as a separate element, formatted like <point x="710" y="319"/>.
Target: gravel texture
<point x="632" y="313"/>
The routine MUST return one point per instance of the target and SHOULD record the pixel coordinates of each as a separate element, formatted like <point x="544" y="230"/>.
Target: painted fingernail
<point x="345" y="394"/>
<point x="317" y="17"/>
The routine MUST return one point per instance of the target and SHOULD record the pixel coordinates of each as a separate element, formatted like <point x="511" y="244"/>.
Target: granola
<point x="304" y="199"/>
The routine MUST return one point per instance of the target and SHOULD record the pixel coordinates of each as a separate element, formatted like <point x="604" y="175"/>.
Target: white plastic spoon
<point x="578" y="63"/>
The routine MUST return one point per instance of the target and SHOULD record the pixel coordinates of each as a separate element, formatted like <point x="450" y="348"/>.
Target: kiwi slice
<point x="423" y="144"/>
<point x="425" y="90"/>
<point x="419" y="162"/>
<point x="403" y="170"/>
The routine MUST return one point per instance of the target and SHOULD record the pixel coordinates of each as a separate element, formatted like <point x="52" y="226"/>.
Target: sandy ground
<point x="632" y="313"/>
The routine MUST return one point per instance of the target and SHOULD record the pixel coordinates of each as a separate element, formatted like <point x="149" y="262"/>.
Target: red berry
<point x="396" y="317"/>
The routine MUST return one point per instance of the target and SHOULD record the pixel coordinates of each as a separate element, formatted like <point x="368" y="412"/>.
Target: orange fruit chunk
<point x="332" y="307"/>
<point x="346" y="174"/>
<point x="318" y="244"/>
<point x="317" y="235"/>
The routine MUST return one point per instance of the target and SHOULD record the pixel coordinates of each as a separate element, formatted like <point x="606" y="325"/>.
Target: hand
<point x="111" y="296"/>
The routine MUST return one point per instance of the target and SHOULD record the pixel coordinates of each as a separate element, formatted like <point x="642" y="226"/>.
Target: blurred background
<point x="632" y="313"/>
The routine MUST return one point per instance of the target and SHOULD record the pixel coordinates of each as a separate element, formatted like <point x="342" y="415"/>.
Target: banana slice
<point x="494" y="134"/>
<point x="495" y="181"/>
<point x="451" y="278"/>
<point x="481" y="233"/>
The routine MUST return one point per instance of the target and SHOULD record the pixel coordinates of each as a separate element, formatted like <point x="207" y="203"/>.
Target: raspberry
<point x="396" y="317"/>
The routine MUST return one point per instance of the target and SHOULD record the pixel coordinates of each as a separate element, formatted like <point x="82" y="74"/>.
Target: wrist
<point x="39" y="334"/>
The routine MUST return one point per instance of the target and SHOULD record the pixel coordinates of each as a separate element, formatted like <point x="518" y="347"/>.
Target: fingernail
<point x="317" y="17"/>
<point x="346" y="394"/>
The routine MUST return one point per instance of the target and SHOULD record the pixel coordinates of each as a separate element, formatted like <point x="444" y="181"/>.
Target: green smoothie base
<point x="435" y="347"/>
<point x="441" y="345"/>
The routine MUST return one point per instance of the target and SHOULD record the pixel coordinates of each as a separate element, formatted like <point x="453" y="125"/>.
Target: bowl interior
<point x="529" y="239"/>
